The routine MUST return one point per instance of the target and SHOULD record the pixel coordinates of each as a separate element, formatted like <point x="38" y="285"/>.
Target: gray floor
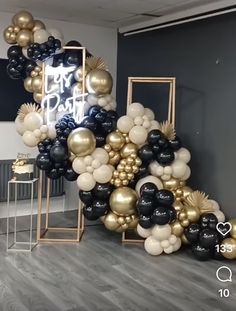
<point x="101" y="274"/>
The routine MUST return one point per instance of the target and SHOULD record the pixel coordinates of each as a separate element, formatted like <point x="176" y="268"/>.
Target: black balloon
<point x="201" y="253"/>
<point x="58" y="153"/>
<point x="90" y="213"/>
<point x="70" y="174"/>
<point x="143" y="171"/>
<point x="112" y="114"/>
<point x="72" y="57"/>
<point x="145" y="205"/>
<point x="165" y="157"/>
<point x="175" y="143"/>
<point x="208" y="238"/>
<point x="145" y="221"/>
<point x="108" y="125"/>
<point x="165" y="197"/>
<point x="29" y="66"/>
<point x="100" y="207"/>
<point x="100" y="139"/>
<point x="86" y="197"/>
<point x="43" y="161"/>
<point x="102" y="191"/>
<point x="41" y="148"/>
<point x="208" y="221"/>
<point x="172" y="213"/>
<point x="161" y="215"/>
<point x="148" y="189"/>
<point x="93" y="111"/>
<point x="89" y="123"/>
<point x="154" y="136"/>
<point x="54" y="173"/>
<point x="145" y="153"/>
<point x="192" y="233"/>
<point x="14" y="51"/>
<point x="73" y="43"/>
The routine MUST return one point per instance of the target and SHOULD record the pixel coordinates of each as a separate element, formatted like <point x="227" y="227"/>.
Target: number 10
<point x="224" y="292"/>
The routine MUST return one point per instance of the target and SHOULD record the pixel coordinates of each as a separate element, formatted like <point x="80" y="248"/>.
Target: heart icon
<point x="223" y="228"/>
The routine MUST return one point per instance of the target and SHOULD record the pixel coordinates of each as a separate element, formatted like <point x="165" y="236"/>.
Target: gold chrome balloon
<point x="24" y="37"/>
<point x="37" y="97"/>
<point x="128" y="149"/>
<point x="81" y="142"/>
<point x="110" y="221"/>
<point x="38" y="25"/>
<point x="192" y="212"/>
<point x="99" y="82"/>
<point x="123" y="201"/>
<point x="233" y="230"/>
<point x="37" y="84"/>
<point x="9" y="35"/>
<point x="28" y="84"/>
<point x="186" y="191"/>
<point x="133" y="223"/>
<point x="171" y="184"/>
<point x="115" y="140"/>
<point x="228" y="248"/>
<point x="184" y="239"/>
<point x="176" y="228"/>
<point x="23" y="19"/>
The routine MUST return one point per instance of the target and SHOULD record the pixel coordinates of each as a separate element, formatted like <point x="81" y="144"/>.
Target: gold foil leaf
<point x="96" y="63"/>
<point x="199" y="199"/>
<point x="27" y="108"/>
<point x="168" y="130"/>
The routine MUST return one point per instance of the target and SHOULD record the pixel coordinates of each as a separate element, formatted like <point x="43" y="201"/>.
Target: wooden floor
<point x="101" y="274"/>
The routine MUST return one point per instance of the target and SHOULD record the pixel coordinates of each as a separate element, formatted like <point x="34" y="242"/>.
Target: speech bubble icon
<point x="224" y="274"/>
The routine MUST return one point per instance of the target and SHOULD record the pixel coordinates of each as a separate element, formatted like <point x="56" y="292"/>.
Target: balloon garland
<point x="131" y="171"/>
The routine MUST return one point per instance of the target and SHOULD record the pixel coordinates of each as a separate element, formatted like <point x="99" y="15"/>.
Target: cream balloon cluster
<point x="107" y="101"/>
<point x="159" y="239"/>
<point x="178" y="168"/>
<point x="30" y="125"/>
<point x="216" y="210"/>
<point x="92" y="168"/>
<point x="137" y="123"/>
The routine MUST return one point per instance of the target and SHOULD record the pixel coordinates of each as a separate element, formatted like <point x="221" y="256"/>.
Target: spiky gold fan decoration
<point x="96" y="63"/>
<point x="27" y="108"/>
<point x="168" y="130"/>
<point x="200" y="200"/>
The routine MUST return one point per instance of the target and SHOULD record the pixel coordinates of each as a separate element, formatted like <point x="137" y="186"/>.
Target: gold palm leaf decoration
<point x="96" y="63"/>
<point x="168" y="130"/>
<point x="200" y="200"/>
<point x="27" y="108"/>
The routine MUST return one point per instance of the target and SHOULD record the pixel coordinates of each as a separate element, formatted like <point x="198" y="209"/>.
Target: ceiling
<point x="109" y="13"/>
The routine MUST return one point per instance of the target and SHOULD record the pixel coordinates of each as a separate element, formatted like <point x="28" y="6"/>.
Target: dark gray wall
<point x="202" y="56"/>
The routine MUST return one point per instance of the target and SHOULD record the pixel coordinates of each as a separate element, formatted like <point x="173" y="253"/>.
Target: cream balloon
<point x="179" y="168"/>
<point x="161" y="233"/>
<point x="144" y="233"/>
<point x="138" y="135"/>
<point x="20" y="127"/>
<point x="187" y="173"/>
<point x="41" y="36"/>
<point x="149" y="113"/>
<point x="184" y="155"/>
<point x="173" y="239"/>
<point x="146" y="179"/>
<point x="165" y="243"/>
<point x="101" y="155"/>
<point x="86" y="182"/>
<point x="56" y="33"/>
<point x="154" y="125"/>
<point x="125" y="124"/>
<point x="152" y="246"/>
<point x="135" y="110"/>
<point x="169" y="249"/>
<point x="103" y="174"/>
<point x="32" y="121"/>
<point x="44" y="129"/>
<point x="29" y="139"/>
<point x="78" y="165"/>
<point x="177" y="245"/>
<point x="214" y="205"/>
<point x="219" y="215"/>
<point x="37" y="133"/>
<point x="51" y="131"/>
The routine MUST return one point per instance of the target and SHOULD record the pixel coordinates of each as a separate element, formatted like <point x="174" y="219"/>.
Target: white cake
<point x="23" y="170"/>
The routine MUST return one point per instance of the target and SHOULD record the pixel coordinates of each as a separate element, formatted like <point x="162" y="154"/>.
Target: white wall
<point x="99" y="41"/>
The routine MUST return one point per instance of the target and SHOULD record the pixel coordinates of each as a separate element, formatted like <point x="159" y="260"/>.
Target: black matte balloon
<point x="70" y="174"/>
<point x="72" y="57"/>
<point x="101" y="116"/>
<point x="172" y="213"/>
<point x="41" y="148"/>
<point x="208" y="220"/>
<point x="154" y="136"/>
<point x="86" y="197"/>
<point x="58" y="153"/>
<point x="148" y="189"/>
<point x="143" y="171"/>
<point x="145" y="221"/>
<point x="90" y="213"/>
<point x="43" y="161"/>
<point x="165" y="197"/>
<point x="94" y="110"/>
<point x="192" y="233"/>
<point x="145" y="153"/>
<point x="145" y="205"/>
<point x="73" y="43"/>
<point x="108" y="125"/>
<point x="165" y="157"/>
<point x="112" y="114"/>
<point x="14" y="51"/>
<point x="53" y="173"/>
<point x="102" y="191"/>
<point x="100" y="207"/>
<point x="29" y="66"/>
<point x="156" y="149"/>
<point x="161" y="215"/>
<point x="208" y="238"/>
<point x="175" y="144"/>
<point x="201" y="253"/>
<point x="47" y="142"/>
<point x="89" y="123"/>
<point x="100" y="139"/>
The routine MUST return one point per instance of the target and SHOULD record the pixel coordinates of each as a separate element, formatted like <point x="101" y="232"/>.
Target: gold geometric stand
<point x="130" y="240"/>
<point x="42" y="236"/>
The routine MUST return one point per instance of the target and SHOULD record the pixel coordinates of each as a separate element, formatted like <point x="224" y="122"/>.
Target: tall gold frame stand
<point x="79" y="230"/>
<point x="171" y="118"/>
<point x="41" y="236"/>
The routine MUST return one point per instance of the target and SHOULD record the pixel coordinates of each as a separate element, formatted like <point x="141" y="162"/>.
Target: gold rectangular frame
<point x="80" y="224"/>
<point x="171" y="117"/>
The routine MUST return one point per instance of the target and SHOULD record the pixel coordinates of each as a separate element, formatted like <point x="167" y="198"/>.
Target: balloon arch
<point x="131" y="170"/>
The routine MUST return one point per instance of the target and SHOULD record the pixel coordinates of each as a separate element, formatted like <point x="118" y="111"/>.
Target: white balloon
<point x="32" y="121"/>
<point x="56" y="33"/>
<point x="78" y="165"/>
<point x="138" y="120"/>
<point x="154" y="125"/>
<point x="103" y="174"/>
<point x="165" y="244"/>
<point x="161" y="233"/>
<point x="43" y="136"/>
<point x="20" y="127"/>
<point x="177" y="245"/>
<point x="165" y="177"/>
<point x="41" y="36"/>
<point x="102" y="102"/>
<point x="125" y="124"/>
<point x="149" y="113"/>
<point x="168" y="250"/>
<point x="152" y="246"/>
<point x="52" y="131"/>
<point x="92" y="100"/>
<point x="219" y="215"/>
<point x="29" y="139"/>
<point x="135" y="110"/>
<point x="43" y="128"/>
<point x="172" y="239"/>
<point x="146" y="124"/>
<point x="214" y="205"/>
<point x="146" y="179"/>
<point x="144" y="233"/>
<point x="156" y="169"/>
<point x="184" y="155"/>
<point x="101" y="155"/>
<point x="96" y="163"/>
<point x="138" y="135"/>
<point x="37" y="133"/>
<point x="86" y="182"/>
<point x="178" y="168"/>
<point x="187" y="173"/>
<point x="88" y="160"/>
<point x="167" y="170"/>
<point x="90" y="169"/>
